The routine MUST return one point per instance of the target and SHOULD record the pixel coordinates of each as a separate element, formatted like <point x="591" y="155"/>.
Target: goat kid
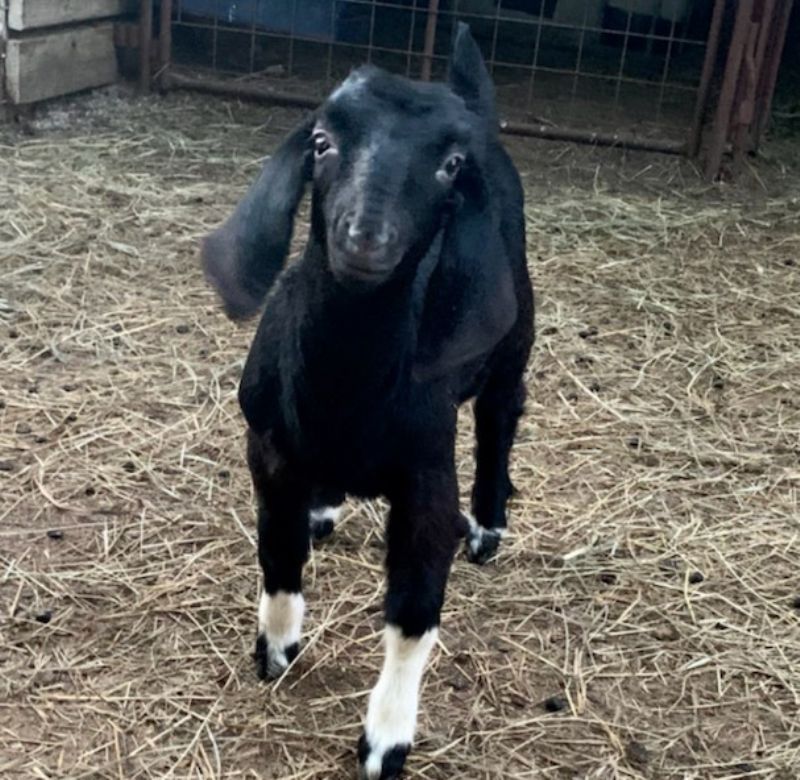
<point x="412" y="296"/>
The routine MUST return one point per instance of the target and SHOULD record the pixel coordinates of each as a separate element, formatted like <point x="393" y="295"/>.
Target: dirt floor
<point x="643" y="621"/>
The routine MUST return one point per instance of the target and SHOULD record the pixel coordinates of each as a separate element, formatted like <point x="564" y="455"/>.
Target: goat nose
<point x="365" y="239"/>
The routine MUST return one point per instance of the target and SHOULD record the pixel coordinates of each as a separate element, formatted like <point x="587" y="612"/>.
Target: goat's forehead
<point x="352" y="87"/>
<point x="372" y="100"/>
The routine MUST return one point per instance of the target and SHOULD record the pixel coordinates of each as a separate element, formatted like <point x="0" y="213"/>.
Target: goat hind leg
<point x="326" y="506"/>
<point x="497" y="411"/>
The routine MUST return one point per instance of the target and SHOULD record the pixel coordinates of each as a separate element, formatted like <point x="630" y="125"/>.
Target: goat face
<point x="387" y="155"/>
<point x="394" y="163"/>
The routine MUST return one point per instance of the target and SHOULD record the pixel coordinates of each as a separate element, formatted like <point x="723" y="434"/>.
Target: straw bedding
<point x="643" y="621"/>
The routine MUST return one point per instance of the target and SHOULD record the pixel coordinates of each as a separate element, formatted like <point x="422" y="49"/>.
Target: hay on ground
<point x="651" y="580"/>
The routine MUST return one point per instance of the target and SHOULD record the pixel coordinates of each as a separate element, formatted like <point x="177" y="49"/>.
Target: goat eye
<point x="322" y="144"/>
<point x="453" y="165"/>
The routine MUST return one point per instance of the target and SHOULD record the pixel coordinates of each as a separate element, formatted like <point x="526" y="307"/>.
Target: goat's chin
<point x="359" y="278"/>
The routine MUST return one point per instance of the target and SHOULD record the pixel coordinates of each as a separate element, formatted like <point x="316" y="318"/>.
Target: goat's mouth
<point x="349" y="268"/>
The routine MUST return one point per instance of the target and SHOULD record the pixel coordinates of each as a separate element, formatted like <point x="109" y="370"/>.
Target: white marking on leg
<point x="280" y="619"/>
<point x="392" y="711"/>
<point x="322" y="513"/>
<point x="477" y="532"/>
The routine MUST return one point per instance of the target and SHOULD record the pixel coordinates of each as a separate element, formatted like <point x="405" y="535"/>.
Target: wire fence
<point x="628" y="66"/>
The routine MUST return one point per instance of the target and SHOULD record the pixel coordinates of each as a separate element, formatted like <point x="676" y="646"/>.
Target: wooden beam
<point x="56" y="63"/>
<point x="30" y="14"/>
<point x="246" y="91"/>
<point x="172" y="80"/>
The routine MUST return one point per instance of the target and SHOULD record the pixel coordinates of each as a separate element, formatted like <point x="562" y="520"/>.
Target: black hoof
<point x="270" y="663"/>
<point x="321" y="529"/>
<point x="482" y="544"/>
<point x="376" y="767"/>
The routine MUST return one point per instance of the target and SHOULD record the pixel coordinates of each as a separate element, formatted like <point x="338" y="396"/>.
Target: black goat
<point x="412" y="296"/>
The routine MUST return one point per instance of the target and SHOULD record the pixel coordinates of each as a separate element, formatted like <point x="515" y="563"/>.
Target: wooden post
<point x="145" y="38"/>
<point x="744" y="110"/>
<point x="430" y="39"/>
<point x="712" y="47"/>
<point x="769" y="71"/>
<point x="164" y="37"/>
<point x="749" y="142"/>
<point x="722" y="120"/>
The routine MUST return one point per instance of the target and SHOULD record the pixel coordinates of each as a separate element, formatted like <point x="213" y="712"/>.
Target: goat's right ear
<point x="470" y="300"/>
<point x="243" y="257"/>
<point x="468" y="76"/>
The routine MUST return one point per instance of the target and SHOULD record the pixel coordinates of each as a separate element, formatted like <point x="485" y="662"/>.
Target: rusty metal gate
<point x="666" y="75"/>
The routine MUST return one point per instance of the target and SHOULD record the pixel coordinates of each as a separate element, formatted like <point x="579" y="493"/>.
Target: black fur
<point x="412" y="296"/>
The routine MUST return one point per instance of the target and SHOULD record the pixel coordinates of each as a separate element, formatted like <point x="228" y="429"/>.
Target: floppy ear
<point x="470" y="302"/>
<point x="468" y="76"/>
<point x="243" y="257"/>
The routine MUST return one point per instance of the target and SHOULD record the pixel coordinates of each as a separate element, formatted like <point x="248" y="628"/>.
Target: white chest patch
<point x="393" y="703"/>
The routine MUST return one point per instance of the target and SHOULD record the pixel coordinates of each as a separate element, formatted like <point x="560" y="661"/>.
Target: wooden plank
<point x="3" y="38"/>
<point x="44" y="66"/>
<point x="30" y="14"/>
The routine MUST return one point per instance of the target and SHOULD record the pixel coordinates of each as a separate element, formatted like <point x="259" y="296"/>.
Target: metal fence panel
<point x="613" y="66"/>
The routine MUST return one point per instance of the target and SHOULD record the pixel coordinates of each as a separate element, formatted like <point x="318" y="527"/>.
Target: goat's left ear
<point x="470" y="300"/>
<point x="243" y="257"/>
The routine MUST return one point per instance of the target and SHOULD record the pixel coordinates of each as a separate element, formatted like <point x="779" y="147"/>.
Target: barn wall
<point x="55" y="48"/>
<point x="57" y="63"/>
<point x="32" y="14"/>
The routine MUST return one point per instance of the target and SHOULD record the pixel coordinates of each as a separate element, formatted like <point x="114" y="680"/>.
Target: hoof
<point x="321" y="529"/>
<point x="374" y="765"/>
<point x="271" y="662"/>
<point x="322" y="520"/>
<point x="482" y="544"/>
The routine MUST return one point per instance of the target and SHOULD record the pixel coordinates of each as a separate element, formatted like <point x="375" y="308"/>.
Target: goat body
<point x="411" y="297"/>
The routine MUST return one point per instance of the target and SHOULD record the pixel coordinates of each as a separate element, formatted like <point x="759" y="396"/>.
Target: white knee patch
<point x="325" y="513"/>
<point x="280" y="619"/>
<point x="392" y="711"/>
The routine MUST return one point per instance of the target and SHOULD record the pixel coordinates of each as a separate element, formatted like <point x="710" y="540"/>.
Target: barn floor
<point x="652" y="579"/>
